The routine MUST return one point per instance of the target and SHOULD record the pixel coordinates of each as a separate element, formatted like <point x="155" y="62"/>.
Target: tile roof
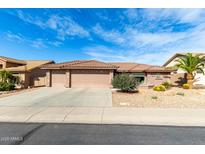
<point x="135" y="67"/>
<point x="81" y="64"/>
<point x="12" y="60"/>
<point x="119" y="66"/>
<point x="123" y="66"/>
<point x="155" y="69"/>
<point x="30" y="64"/>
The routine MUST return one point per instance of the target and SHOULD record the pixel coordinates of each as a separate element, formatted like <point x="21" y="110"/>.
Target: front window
<point x="140" y="77"/>
<point x="158" y="76"/>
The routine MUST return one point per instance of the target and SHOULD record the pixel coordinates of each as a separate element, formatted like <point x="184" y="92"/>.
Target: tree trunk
<point x="190" y="80"/>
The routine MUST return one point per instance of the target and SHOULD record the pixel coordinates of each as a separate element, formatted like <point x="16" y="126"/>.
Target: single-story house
<point x="29" y="71"/>
<point x="92" y="73"/>
<point x="178" y="77"/>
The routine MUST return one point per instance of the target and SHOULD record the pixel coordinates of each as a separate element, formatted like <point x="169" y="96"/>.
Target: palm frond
<point x="191" y="63"/>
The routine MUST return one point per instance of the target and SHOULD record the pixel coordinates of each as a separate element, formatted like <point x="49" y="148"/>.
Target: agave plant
<point x="191" y="64"/>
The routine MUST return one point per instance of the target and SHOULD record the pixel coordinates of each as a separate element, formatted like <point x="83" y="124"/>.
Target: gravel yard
<point x="173" y="98"/>
<point x="14" y="92"/>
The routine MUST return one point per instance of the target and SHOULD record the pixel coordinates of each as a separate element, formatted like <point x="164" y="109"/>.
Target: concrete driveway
<point x="60" y="97"/>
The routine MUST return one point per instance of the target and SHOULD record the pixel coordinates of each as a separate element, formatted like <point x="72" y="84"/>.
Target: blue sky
<point x="138" y="35"/>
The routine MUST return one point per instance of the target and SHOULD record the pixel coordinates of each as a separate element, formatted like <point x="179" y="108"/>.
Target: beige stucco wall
<point x="178" y="79"/>
<point x="34" y="78"/>
<point x="48" y="78"/>
<point x="37" y="77"/>
<point x="24" y="78"/>
<point x="157" y="78"/>
<point x="3" y="64"/>
<point x="68" y="79"/>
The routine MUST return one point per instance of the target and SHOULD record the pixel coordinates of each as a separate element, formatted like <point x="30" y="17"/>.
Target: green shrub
<point x="167" y="84"/>
<point x="125" y="82"/>
<point x="4" y="86"/>
<point x="180" y="93"/>
<point x="186" y="86"/>
<point x="154" y="97"/>
<point x="159" y="88"/>
<point x="7" y="81"/>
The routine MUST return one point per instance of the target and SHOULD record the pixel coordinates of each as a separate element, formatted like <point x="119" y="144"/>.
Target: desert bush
<point x="180" y="93"/>
<point x="7" y="81"/>
<point x="154" y="97"/>
<point x="125" y="82"/>
<point x="4" y="86"/>
<point x="186" y="86"/>
<point x="167" y="84"/>
<point x="159" y="88"/>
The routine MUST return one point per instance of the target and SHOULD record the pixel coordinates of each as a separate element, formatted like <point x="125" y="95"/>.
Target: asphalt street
<point x="90" y="134"/>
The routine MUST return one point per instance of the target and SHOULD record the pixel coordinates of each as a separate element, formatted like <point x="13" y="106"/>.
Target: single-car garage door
<point x="58" y="78"/>
<point x="90" y="78"/>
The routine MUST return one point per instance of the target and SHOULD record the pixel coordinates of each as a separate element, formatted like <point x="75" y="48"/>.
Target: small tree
<point x="5" y="76"/>
<point x="125" y="82"/>
<point x="7" y="81"/>
<point x="191" y="64"/>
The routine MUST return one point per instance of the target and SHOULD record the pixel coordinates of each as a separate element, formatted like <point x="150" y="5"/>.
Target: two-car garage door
<point x="90" y="78"/>
<point x="82" y="78"/>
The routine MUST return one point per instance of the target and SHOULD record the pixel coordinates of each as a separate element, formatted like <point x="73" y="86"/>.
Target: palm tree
<point x="191" y="64"/>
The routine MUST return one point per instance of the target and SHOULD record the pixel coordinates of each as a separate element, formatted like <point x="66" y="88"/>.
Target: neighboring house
<point x="178" y="77"/>
<point x="92" y="73"/>
<point x="148" y="75"/>
<point x="28" y="70"/>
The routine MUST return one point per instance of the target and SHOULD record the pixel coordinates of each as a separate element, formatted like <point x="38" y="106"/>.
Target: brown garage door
<point x="90" y="78"/>
<point x="58" y="78"/>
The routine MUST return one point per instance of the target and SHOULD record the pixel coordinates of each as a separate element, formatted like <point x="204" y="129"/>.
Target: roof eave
<point x="158" y="71"/>
<point x="130" y="71"/>
<point x="75" y="68"/>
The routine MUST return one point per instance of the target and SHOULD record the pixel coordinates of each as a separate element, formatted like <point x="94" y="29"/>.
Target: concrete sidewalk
<point x="104" y="115"/>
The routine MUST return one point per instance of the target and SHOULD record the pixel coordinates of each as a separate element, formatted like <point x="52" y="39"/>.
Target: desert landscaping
<point x="172" y="98"/>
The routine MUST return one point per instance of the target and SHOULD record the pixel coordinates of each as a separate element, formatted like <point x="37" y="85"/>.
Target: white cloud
<point x="180" y="15"/>
<point x="143" y="42"/>
<point x="138" y="39"/>
<point x="55" y="43"/>
<point x="36" y="43"/>
<point x="132" y="14"/>
<point x="39" y="43"/>
<point x="14" y="37"/>
<point x="110" y="36"/>
<point x="104" y="53"/>
<point x="149" y="47"/>
<point x="131" y="37"/>
<point x="107" y="54"/>
<point x="30" y="19"/>
<point x="67" y="27"/>
<point x="53" y="22"/>
<point x="191" y="15"/>
<point x="63" y="26"/>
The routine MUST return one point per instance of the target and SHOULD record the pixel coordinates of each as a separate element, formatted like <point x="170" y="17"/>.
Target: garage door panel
<point x="90" y="78"/>
<point x="58" y="78"/>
